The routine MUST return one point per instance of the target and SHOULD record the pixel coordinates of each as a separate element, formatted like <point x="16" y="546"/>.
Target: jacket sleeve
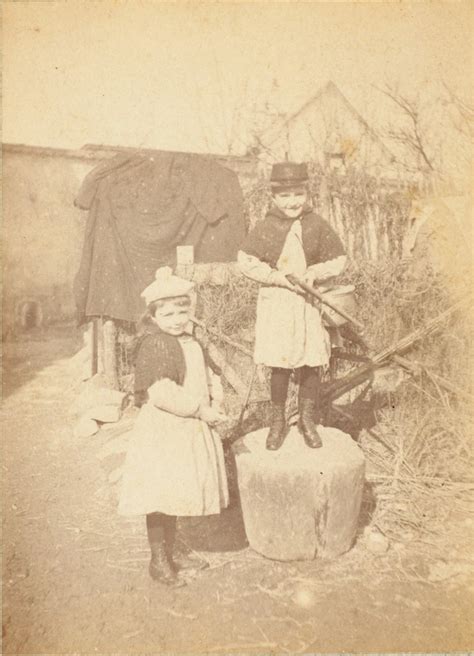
<point x="331" y="255"/>
<point x="329" y="269"/>
<point x="168" y="396"/>
<point x="261" y="272"/>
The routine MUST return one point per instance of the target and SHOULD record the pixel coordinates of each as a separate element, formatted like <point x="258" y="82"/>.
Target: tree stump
<point x="299" y="502"/>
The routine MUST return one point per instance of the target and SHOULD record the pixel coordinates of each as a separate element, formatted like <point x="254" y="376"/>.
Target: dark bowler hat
<point x="288" y="174"/>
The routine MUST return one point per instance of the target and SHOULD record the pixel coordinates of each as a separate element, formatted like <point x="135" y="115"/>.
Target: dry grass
<point x="228" y="308"/>
<point x="424" y="475"/>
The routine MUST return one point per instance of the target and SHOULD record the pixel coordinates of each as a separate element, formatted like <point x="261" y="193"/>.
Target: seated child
<point x="175" y="463"/>
<point x="289" y="333"/>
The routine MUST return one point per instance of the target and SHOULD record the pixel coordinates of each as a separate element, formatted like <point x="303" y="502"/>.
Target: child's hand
<point x="279" y="279"/>
<point x="309" y="278"/>
<point x="211" y="416"/>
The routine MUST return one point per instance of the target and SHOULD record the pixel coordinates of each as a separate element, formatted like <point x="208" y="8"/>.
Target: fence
<point x="371" y="216"/>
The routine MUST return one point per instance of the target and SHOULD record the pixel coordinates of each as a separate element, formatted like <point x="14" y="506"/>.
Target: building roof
<point x="331" y="89"/>
<point x="99" y="151"/>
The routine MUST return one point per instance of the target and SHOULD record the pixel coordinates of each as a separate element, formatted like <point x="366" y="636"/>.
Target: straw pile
<point x="419" y="452"/>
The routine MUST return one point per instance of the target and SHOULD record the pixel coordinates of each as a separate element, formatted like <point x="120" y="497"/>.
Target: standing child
<point x="289" y="333"/>
<point x="175" y="463"/>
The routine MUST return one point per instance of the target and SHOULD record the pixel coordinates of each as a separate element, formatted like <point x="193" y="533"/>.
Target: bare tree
<point x="462" y="113"/>
<point x="233" y="118"/>
<point x="413" y="134"/>
<point x="433" y="129"/>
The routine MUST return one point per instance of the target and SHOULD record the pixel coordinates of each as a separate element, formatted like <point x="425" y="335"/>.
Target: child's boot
<point x="307" y="423"/>
<point x="278" y="392"/>
<point x="160" y="567"/>
<point x="278" y="428"/>
<point x="308" y="406"/>
<point x="181" y="563"/>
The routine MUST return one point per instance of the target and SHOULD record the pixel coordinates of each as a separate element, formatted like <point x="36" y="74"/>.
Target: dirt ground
<point x="75" y="573"/>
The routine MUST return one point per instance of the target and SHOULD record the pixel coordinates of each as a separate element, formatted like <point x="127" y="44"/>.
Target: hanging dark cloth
<point x="140" y="209"/>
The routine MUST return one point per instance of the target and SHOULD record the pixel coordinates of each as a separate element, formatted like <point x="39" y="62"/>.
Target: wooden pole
<point x="109" y="333"/>
<point x="416" y="367"/>
<point x="358" y="375"/>
<point x="221" y="337"/>
<point x="228" y="372"/>
<point x="314" y="292"/>
<point x="95" y="347"/>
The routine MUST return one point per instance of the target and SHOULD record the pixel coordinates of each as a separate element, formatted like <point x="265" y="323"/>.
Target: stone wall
<point x="43" y="231"/>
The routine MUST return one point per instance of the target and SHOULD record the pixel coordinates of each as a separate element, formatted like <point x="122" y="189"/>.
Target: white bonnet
<point x="166" y="285"/>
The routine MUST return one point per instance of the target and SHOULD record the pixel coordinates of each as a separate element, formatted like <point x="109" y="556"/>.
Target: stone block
<point x="104" y="413"/>
<point x="114" y="447"/>
<point x="85" y="427"/>
<point x="297" y="502"/>
<point x="94" y="393"/>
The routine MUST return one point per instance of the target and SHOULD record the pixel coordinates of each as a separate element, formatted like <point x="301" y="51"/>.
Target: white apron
<point x="175" y="465"/>
<point x="289" y="332"/>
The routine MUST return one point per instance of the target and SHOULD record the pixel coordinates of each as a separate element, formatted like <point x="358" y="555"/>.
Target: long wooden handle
<point x="314" y="292"/>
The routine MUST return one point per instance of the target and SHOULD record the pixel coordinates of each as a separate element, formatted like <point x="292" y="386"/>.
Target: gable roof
<point x="330" y="88"/>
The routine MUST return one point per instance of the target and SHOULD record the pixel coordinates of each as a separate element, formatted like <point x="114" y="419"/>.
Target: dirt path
<point x="75" y="577"/>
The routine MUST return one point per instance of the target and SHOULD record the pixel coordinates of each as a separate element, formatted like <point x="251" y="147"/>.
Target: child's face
<point x="172" y="318"/>
<point x="291" y="201"/>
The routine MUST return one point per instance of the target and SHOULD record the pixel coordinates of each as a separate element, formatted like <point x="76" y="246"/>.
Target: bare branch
<point x="421" y="148"/>
<point x="464" y="122"/>
<point x="412" y="137"/>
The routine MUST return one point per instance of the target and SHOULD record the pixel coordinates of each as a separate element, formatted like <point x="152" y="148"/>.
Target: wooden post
<point x="109" y="334"/>
<point x="95" y="347"/>
<point x="227" y="371"/>
<point x="185" y="262"/>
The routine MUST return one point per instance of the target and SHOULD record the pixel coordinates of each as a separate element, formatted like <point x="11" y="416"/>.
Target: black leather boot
<point x="160" y="567"/>
<point x="307" y="423"/>
<point x="278" y="428"/>
<point x="179" y="562"/>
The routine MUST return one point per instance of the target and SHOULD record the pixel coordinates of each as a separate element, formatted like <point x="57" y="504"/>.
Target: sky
<point x="195" y="76"/>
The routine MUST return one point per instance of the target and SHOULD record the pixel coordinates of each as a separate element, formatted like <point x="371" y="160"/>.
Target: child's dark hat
<point x="288" y="174"/>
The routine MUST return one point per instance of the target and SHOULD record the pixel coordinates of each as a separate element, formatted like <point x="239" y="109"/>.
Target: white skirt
<point x="174" y="465"/>
<point x="289" y="332"/>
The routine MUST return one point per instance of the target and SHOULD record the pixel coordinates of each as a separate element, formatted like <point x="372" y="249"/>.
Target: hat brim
<point x="288" y="184"/>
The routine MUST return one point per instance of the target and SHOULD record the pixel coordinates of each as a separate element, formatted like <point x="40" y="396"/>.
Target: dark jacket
<point x="266" y="240"/>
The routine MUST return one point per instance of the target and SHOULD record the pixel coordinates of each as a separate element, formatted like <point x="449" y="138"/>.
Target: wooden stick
<point x="415" y="367"/>
<point x="249" y="390"/>
<point x="223" y="338"/>
<point x="359" y="374"/>
<point x="317" y="294"/>
<point x="228" y="372"/>
<point x="351" y="357"/>
<point x="372" y="433"/>
<point x="238" y="427"/>
<point x="406" y="342"/>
